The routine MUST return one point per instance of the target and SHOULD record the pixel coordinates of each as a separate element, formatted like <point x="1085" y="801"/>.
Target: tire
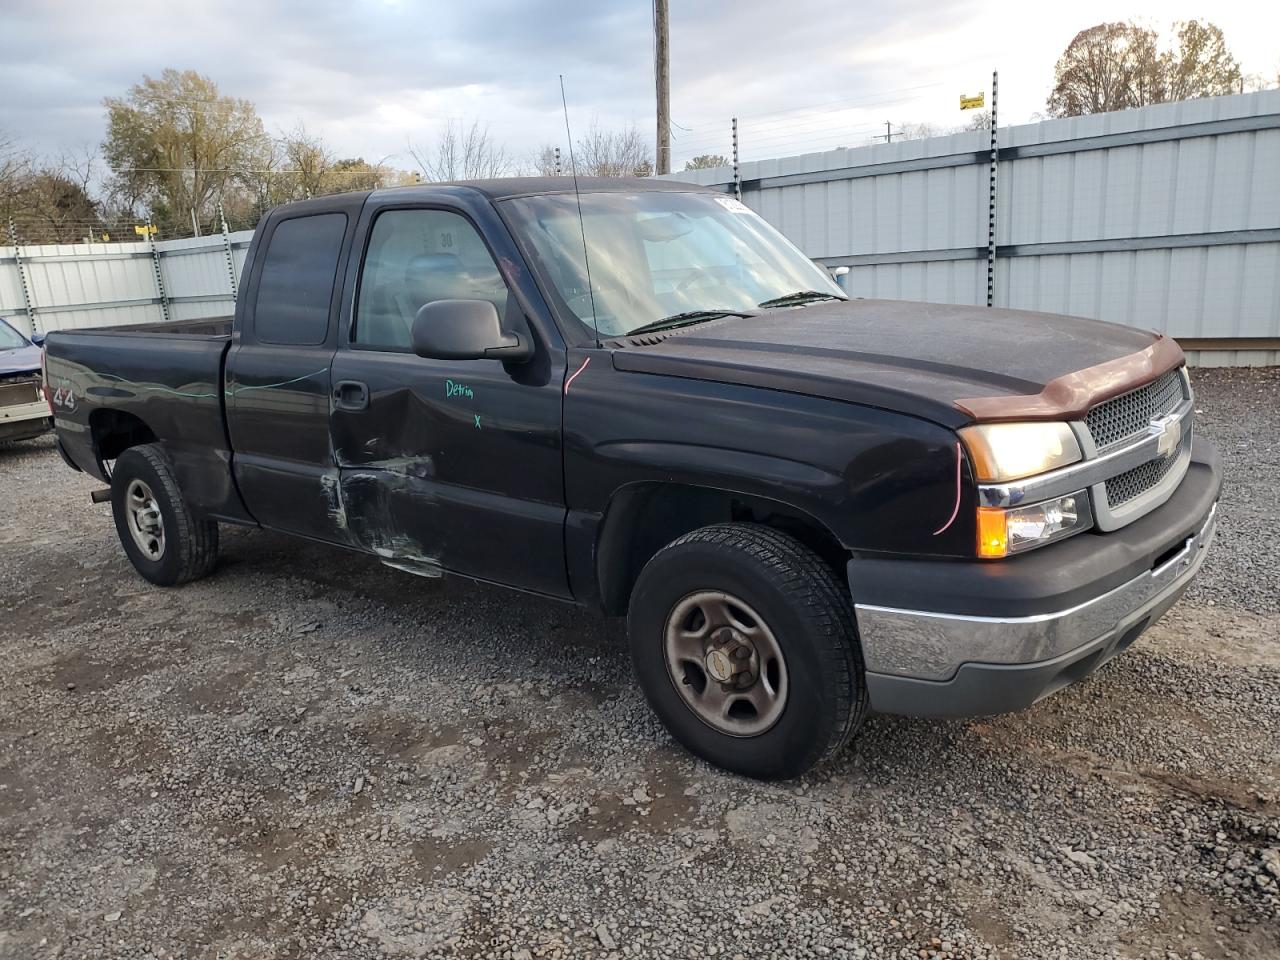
<point x="771" y="581"/>
<point x="165" y="541"/>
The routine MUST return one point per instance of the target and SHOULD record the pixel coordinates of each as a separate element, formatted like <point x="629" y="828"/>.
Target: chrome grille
<point x="1134" y="483"/>
<point x="1131" y="413"/>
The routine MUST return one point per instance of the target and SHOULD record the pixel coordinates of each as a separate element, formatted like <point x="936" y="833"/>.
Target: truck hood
<point x="923" y="359"/>
<point x="19" y="360"/>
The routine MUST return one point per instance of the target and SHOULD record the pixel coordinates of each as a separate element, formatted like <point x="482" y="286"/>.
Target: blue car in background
<point x="24" y="411"/>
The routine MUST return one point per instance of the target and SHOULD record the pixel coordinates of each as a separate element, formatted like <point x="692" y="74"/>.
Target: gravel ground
<point x="311" y="755"/>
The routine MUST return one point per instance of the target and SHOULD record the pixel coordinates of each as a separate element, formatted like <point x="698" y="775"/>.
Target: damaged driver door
<point x="445" y="464"/>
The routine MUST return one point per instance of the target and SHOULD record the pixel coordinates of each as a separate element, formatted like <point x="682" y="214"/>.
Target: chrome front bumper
<point x="924" y="663"/>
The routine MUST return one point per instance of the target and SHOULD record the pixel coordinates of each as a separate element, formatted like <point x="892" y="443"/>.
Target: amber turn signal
<point x="993" y="533"/>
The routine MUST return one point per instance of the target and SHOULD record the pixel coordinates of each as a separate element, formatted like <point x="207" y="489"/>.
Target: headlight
<point x="1011" y="451"/>
<point x="1002" y="532"/>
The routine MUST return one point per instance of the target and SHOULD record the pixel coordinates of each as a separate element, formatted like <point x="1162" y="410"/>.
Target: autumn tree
<point x="706" y="161"/>
<point x="1200" y="65"/>
<point x="53" y="207"/>
<point x="356" y="173"/>
<point x="1116" y="66"/>
<point x="1111" y="66"/>
<point x="179" y="145"/>
<point x="50" y="200"/>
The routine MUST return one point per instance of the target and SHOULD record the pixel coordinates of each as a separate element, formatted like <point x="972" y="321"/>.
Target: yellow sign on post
<point x="972" y="103"/>
<point x="143" y="230"/>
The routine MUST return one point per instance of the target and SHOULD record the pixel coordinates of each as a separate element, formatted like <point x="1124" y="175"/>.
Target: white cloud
<point x="372" y="75"/>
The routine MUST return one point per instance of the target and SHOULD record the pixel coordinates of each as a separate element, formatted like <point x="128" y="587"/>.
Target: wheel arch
<point x="115" y="431"/>
<point x="644" y="517"/>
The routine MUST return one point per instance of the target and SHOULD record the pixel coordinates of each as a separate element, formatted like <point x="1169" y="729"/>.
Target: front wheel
<point x="165" y="541"/>
<point x="743" y="641"/>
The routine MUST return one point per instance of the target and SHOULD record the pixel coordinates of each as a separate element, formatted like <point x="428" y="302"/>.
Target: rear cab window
<point x="295" y="289"/>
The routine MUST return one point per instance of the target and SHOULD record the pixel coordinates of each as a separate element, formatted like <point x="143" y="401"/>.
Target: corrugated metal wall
<point x="102" y="284"/>
<point x="1166" y="217"/>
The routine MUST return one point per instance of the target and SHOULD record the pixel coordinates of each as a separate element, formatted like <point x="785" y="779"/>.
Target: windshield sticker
<point x="734" y="205"/>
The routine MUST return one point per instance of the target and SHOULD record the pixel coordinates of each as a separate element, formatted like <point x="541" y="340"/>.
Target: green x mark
<point x="477" y="421"/>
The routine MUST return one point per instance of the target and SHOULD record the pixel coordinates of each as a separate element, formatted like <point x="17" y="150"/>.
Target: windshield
<point x="10" y="339"/>
<point x="656" y="255"/>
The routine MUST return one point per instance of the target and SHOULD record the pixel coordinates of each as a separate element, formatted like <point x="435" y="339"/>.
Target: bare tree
<point x="917" y="131"/>
<point x="614" y="153"/>
<point x="308" y="161"/>
<point x="546" y="163"/>
<point x="15" y="168"/>
<point x="461" y="153"/>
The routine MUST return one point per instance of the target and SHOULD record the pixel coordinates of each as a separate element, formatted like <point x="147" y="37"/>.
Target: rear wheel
<point x="165" y="541"/>
<point x="744" y="644"/>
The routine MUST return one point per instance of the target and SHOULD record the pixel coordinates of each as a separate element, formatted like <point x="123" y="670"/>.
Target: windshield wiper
<point x="685" y="319"/>
<point x="799" y="297"/>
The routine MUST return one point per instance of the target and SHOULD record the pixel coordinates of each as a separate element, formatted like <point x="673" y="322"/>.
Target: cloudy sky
<point x="372" y="75"/>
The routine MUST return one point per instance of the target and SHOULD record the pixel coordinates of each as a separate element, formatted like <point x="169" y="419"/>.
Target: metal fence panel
<point x="104" y="284"/>
<point x="1166" y="217"/>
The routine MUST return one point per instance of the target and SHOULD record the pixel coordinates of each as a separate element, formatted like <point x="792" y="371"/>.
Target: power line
<point x="206" y="170"/>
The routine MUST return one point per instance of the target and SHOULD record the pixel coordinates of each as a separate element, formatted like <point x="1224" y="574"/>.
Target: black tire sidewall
<point x="809" y="719"/>
<point x="130" y="466"/>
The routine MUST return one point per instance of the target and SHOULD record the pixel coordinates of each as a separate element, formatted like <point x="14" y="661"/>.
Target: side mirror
<point x="37" y="339"/>
<point x="467" y="330"/>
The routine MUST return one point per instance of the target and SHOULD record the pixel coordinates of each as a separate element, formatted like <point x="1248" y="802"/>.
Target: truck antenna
<point x="582" y="226"/>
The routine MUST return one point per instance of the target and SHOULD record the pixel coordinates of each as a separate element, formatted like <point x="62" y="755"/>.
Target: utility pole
<point x="662" y="75"/>
<point x="887" y="136"/>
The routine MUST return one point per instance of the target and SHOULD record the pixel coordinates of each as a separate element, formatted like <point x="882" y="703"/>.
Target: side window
<point x="297" y="281"/>
<point x="415" y="257"/>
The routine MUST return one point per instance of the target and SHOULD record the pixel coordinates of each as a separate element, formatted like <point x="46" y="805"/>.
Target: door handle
<point x="350" y="395"/>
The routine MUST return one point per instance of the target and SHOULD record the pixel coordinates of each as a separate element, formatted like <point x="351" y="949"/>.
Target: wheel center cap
<point x="719" y="666"/>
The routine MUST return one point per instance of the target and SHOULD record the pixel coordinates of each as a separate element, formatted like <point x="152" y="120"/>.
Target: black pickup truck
<point x="645" y="401"/>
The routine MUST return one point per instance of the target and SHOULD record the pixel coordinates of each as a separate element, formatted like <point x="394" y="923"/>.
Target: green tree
<point x="178" y="145"/>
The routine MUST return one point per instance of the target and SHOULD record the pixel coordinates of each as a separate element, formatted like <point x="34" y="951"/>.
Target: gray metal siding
<point x="1167" y="217"/>
<point x="99" y="284"/>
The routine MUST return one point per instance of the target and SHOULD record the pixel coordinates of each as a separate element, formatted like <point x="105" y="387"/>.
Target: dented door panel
<point x="454" y="465"/>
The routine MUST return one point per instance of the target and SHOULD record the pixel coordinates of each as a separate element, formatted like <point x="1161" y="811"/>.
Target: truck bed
<point x="100" y="378"/>
<point x="200" y="327"/>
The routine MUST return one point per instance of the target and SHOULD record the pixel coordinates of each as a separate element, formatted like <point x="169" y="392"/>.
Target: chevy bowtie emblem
<point x="1169" y="430"/>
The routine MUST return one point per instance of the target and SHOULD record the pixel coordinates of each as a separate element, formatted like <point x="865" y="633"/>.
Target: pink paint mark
<point x="575" y="375"/>
<point x="955" y="512"/>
